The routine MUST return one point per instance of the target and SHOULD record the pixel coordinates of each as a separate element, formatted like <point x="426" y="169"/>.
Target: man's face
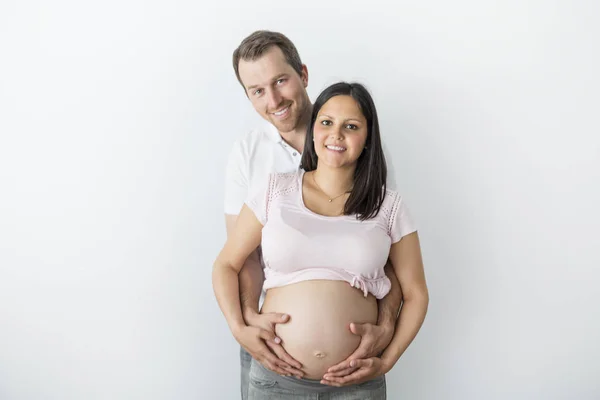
<point x="276" y="90"/>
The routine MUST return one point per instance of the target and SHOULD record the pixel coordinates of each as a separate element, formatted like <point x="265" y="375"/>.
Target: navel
<point x="320" y="354"/>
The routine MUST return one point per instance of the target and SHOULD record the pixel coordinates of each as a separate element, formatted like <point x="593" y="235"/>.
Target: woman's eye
<point x="352" y="126"/>
<point x="325" y="122"/>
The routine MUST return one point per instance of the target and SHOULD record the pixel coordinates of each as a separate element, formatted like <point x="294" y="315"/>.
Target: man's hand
<point x="363" y="370"/>
<point x="265" y="347"/>
<point x="374" y="339"/>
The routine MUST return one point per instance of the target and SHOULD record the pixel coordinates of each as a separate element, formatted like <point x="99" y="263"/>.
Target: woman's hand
<point x="363" y="370"/>
<point x="373" y="340"/>
<point x="259" y="339"/>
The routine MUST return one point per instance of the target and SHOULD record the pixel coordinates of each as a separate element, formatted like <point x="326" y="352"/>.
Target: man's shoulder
<point x="254" y="138"/>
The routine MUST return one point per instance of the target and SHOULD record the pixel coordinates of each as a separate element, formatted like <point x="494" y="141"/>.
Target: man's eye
<point x="257" y="92"/>
<point x="280" y="81"/>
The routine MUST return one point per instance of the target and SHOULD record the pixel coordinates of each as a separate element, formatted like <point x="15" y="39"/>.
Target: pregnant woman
<point x="327" y="232"/>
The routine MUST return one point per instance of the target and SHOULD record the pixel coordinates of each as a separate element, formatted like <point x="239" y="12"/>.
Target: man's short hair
<point x="255" y="45"/>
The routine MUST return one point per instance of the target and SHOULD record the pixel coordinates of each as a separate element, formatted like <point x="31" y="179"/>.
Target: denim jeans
<point x="267" y="385"/>
<point x="245" y="360"/>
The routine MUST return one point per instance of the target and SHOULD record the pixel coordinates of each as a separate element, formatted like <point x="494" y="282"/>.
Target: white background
<point x="116" y="118"/>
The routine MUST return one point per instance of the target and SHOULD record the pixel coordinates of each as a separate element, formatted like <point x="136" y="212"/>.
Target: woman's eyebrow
<point x="346" y="119"/>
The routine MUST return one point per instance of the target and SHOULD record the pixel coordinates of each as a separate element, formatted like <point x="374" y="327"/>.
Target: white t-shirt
<point x="256" y="155"/>
<point x="253" y="157"/>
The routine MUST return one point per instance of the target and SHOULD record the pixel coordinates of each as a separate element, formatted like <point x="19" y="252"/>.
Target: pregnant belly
<point x="318" y="333"/>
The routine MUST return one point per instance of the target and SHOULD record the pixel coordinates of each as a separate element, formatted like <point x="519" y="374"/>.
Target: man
<point x="269" y="68"/>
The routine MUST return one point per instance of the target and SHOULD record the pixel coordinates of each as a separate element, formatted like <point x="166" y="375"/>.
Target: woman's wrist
<point x="386" y="365"/>
<point x="237" y="328"/>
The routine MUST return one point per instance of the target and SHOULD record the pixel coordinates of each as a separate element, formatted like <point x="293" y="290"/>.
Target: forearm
<point x="251" y="279"/>
<point x="389" y="306"/>
<point x="226" y="288"/>
<point x="410" y="321"/>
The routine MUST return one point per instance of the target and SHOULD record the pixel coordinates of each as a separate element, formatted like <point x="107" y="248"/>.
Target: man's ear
<point x="304" y="75"/>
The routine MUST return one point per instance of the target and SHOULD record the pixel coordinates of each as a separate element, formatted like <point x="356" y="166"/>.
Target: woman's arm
<point x="243" y="240"/>
<point x="406" y="258"/>
<point x="408" y="265"/>
<point x="251" y="277"/>
<point x="374" y="338"/>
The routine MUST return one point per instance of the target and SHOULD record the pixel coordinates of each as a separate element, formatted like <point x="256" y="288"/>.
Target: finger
<point x="289" y="368"/>
<point x="271" y="366"/>
<point x="283" y="355"/>
<point x="351" y="379"/>
<point x="295" y="372"/>
<point x="281" y="368"/>
<point x="276" y="363"/>
<point x="338" y="367"/>
<point x="350" y="362"/>
<point x="343" y="372"/>
<point x="362" y="351"/>
<point x="362" y="363"/>
<point x="277" y="318"/>
<point x="359" y="329"/>
<point x="269" y="336"/>
<point x="330" y="383"/>
<point x="280" y="371"/>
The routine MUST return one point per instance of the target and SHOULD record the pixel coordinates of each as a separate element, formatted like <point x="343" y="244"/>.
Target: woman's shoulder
<point x="391" y="195"/>
<point x="391" y="200"/>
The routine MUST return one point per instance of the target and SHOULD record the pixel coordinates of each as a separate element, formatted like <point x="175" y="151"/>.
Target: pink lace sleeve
<point x="259" y="200"/>
<point x="401" y="222"/>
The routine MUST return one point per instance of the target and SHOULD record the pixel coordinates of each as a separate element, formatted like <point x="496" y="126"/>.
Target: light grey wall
<point x="116" y="118"/>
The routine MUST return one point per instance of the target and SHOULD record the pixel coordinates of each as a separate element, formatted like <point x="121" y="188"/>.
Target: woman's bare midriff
<point x="318" y="333"/>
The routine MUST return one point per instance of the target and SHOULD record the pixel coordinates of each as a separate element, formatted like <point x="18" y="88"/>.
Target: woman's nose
<point x="336" y="133"/>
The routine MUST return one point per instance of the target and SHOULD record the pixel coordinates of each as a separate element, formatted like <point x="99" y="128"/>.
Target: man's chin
<point x="283" y="127"/>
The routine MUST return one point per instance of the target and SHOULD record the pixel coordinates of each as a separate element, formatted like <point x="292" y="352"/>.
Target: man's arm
<point x="389" y="308"/>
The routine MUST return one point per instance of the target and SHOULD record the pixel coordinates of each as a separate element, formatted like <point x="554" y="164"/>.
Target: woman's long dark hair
<point x="371" y="173"/>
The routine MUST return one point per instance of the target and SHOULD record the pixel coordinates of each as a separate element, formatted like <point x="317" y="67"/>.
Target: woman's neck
<point x="334" y="181"/>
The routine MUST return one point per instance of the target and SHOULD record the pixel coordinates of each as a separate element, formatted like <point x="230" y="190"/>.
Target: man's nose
<point x="274" y="99"/>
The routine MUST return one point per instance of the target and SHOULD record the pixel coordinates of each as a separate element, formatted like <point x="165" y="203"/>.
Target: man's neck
<point x="296" y="137"/>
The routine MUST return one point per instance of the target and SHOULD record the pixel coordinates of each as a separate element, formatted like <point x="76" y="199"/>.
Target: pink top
<point x="300" y="245"/>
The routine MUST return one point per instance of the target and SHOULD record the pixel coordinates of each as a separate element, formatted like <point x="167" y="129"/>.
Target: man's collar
<point x="274" y="133"/>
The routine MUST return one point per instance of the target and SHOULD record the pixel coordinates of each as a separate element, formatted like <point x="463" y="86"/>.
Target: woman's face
<point x="340" y="132"/>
